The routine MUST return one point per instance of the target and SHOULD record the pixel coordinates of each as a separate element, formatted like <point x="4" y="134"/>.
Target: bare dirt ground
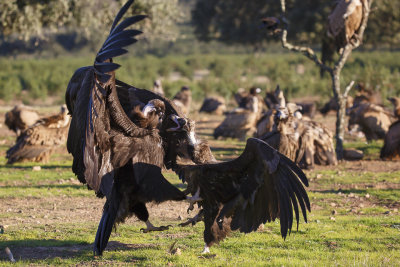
<point x="30" y="211"/>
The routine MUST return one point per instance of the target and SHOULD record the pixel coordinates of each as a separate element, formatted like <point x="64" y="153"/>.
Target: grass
<point x="50" y="219"/>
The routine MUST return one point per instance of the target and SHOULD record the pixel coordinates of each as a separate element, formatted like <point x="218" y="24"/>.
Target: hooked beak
<point x="180" y="122"/>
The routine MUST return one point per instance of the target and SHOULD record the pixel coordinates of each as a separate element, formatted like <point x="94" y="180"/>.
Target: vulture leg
<point x="106" y="223"/>
<point x="151" y="228"/>
<point x="140" y="210"/>
<point x="192" y="200"/>
<point x="206" y="249"/>
<point x="199" y="217"/>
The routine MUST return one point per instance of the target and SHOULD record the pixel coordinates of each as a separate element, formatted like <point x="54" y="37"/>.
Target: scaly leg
<point x="151" y="228"/>
<point x="206" y="249"/>
<point x="199" y="217"/>
<point x="192" y="200"/>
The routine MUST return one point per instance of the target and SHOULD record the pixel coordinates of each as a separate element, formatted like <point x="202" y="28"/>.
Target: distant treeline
<point x="29" y="79"/>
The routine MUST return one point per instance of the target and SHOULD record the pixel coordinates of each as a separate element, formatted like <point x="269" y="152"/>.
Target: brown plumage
<point x="183" y="99"/>
<point x="112" y="155"/>
<point x="265" y="124"/>
<point x="396" y="106"/>
<point x="373" y="120"/>
<point x="39" y="141"/>
<point x="237" y="124"/>
<point x="257" y="187"/>
<point x="307" y="109"/>
<point x="391" y="146"/>
<point x="214" y="105"/>
<point x="272" y="25"/>
<point x="332" y="105"/>
<point x="157" y="88"/>
<point x="20" y="118"/>
<point x="316" y="145"/>
<point x="345" y="21"/>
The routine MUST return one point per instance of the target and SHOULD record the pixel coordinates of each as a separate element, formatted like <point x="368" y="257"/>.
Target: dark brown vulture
<point x="307" y="109"/>
<point x="332" y="105"/>
<point x="39" y="141"/>
<point x="120" y="156"/>
<point x="20" y="118"/>
<point x="373" y="120"/>
<point x="391" y="147"/>
<point x="214" y="105"/>
<point x="183" y="99"/>
<point x="345" y="21"/>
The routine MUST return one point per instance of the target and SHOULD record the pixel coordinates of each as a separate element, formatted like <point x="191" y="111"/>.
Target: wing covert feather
<point x="258" y="186"/>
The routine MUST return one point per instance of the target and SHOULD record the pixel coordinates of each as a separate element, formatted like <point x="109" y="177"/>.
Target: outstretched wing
<point x="257" y="187"/>
<point x="92" y="101"/>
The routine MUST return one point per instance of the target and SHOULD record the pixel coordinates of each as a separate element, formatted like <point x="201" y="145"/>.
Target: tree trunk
<point x="341" y="99"/>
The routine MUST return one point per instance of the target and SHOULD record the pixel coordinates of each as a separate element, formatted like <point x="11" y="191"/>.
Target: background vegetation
<point x="30" y="79"/>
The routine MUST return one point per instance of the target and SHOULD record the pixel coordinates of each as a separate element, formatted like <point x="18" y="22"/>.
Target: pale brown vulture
<point x="20" y="118"/>
<point x="39" y="141"/>
<point x="122" y="161"/>
<point x="345" y="21"/>
<point x="183" y="99"/>
<point x="373" y="120"/>
<point x="215" y="105"/>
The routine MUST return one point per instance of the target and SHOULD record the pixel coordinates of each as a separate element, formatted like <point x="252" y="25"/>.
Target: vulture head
<point x="180" y="141"/>
<point x="150" y="116"/>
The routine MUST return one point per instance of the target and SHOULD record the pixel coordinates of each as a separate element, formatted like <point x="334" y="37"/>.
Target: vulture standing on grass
<point x="38" y="142"/>
<point x="391" y="147"/>
<point x="20" y="118"/>
<point x="214" y="105"/>
<point x="119" y="150"/>
<point x="115" y="157"/>
<point x="183" y="99"/>
<point x="373" y="120"/>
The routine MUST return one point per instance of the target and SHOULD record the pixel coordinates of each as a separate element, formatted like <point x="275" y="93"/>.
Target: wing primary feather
<point x="120" y="43"/>
<point x="288" y="203"/>
<point x="109" y="53"/>
<point x="299" y="199"/>
<point x="106" y="67"/>
<point x="294" y="203"/>
<point x="121" y="13"/>
<point x="283" y="214"/>
<point x="101" y="89"/>
<point x="121" y="35"/>
<point x="126" y="23"/>
<point x="295" y="169"/>
<point x="302" y="190"/>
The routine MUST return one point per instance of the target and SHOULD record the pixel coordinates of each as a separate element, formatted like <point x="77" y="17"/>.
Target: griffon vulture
<point x="345" y="21"/>
<point x="122" y="161"/>
<point x="20" y="118"/>
<point x="38" y="142"/>
<point x="373" y="120"/>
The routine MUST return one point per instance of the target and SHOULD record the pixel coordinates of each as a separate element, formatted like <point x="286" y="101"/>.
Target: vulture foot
<point x="192" y="200"/>
<point x="194" y="220"/>
<point x="206" y="249"/>
<point x="151" y="228"/>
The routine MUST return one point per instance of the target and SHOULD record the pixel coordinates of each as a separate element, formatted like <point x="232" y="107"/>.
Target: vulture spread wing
<point x="98" y="118"/>
<point x="257" y="187"/>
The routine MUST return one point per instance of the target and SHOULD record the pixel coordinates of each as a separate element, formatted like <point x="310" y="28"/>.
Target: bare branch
<point x="348" y="88"/>
<point x="307" y="51"/>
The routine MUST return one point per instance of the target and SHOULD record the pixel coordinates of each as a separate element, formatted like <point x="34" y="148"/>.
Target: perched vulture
<point x="214" y="105"/>
<point x="38" y="142"/>
<point x="345" y="21"/>
<point x="121" y="137"/>
<point x="157" y="88"/>
<point x="396" y="106"/>
<point x="183" y="99"/>
<point x="373" y="120"/>
<point x="20" y="118"/>
<point x="332" y="105"/>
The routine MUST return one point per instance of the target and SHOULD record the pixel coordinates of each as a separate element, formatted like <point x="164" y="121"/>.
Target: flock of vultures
<point x="122" y="137"/>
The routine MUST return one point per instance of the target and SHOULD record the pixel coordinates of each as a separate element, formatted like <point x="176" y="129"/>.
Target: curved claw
<point x="154" y="228"/>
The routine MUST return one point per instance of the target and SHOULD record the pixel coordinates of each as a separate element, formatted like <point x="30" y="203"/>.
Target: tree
<point x="335" y="71"/>
<point x="25" y="19"/>
<point x="233" y="21"/>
